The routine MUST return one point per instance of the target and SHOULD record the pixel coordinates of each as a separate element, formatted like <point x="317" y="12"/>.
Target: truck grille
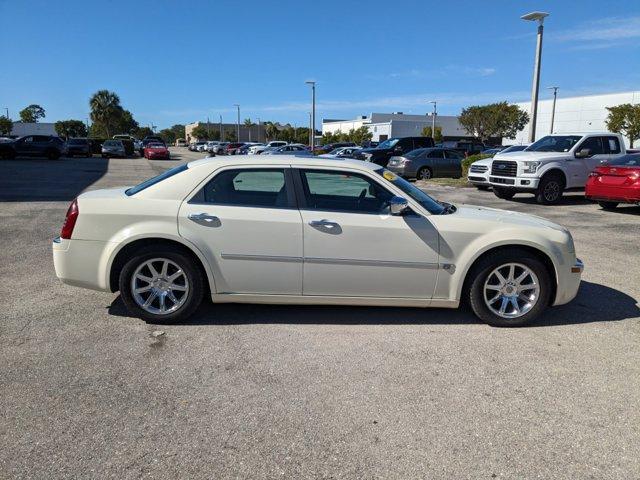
<point x="478" y="168"/>
<point x="504" y="168"/>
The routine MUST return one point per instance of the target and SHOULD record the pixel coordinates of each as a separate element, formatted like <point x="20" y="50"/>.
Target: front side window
<point x="594" y="144"/>
<point x="452" y="154"/>
<point x="430" y="204"/>
<point x="343" y="191"/>
<point x="390" y="143"/>
<point x="247" y="187"/>
<point x="435" y="154"/>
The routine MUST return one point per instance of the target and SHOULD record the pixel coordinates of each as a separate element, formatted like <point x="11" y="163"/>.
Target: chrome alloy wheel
<point x="159" y="286"/>
<point x="511" y="290"/>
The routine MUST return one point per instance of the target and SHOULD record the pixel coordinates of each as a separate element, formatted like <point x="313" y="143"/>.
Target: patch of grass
<point x="447" y="182"/>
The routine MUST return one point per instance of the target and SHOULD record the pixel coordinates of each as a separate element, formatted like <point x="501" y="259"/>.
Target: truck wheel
<point x="608" y="205"/>
<point x="503" y="193"/>
<point x="550" y="189"/>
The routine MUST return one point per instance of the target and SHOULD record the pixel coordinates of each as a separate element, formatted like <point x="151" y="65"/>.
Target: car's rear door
<point x="353" y="247"/>
<point x="246" y="223"/>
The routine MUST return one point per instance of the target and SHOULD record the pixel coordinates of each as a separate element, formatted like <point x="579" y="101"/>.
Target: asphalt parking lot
<point x="251" y="391"/>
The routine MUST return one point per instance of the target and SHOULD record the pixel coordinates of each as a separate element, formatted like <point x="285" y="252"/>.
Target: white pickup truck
<point x="553" y="164"/>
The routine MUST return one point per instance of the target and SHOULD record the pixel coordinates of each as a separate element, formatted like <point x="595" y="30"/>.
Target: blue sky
<point x="178" y="62"/>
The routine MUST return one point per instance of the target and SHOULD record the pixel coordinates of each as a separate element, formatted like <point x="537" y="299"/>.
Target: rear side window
<point x="435" y="154"/>
<point x="247" y="188"/>
<point x="152" y="181"/>
<point x="452" y="154"/>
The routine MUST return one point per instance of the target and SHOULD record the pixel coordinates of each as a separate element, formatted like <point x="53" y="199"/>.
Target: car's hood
<point x="473" y="212"/>
<point x="531" y="156"/>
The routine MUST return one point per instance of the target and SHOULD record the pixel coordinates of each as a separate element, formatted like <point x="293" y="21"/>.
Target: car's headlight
<point x="531" y="167"/>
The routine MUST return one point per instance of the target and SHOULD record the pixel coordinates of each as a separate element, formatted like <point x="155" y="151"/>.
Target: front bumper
<point x="569" y="278"/>
<point x="478" y="179"/>
<point x="521" y="183"/>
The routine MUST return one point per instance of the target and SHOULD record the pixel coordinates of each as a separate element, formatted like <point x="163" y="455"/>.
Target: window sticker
<point x="389" y="176"/>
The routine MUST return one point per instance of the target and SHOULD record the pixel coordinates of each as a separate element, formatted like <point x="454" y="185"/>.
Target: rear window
<point x="152" y="181"/>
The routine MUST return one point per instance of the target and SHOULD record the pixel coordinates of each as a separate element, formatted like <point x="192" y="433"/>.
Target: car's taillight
<point x="70" y="220"/>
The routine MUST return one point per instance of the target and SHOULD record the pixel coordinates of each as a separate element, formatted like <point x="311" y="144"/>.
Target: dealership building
<point x="583" y="114"/>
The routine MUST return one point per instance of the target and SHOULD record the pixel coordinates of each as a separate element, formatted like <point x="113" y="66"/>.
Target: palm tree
<point x="248" y="123"/>
<point x="105" y="106"/>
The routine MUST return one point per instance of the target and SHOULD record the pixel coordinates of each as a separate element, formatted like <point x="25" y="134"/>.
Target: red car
<point x="156" y="151"/>
<point x="615" y="182"/>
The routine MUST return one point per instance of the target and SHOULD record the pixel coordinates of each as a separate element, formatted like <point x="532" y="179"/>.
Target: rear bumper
<point x="81" y="263"/>
<point x="612" y="194"/>
<point x="569" y="277"/>
<point x="402" y="170"/>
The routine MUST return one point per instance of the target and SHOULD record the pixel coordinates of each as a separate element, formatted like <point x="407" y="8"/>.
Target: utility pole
<point x="553" y="107"/>
<point x="532" y="17"/>
<point x="238" y="123"/>
<point x="310" y="132"/>
<point x="313" y="113"/>
<point x="208" y="132"/>
<point x="7" y="110"/>
<point x="433" y="119"/>
<point x="221" y="133"/>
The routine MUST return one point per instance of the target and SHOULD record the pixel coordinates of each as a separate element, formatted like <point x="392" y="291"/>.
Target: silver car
<point x="426" y="163"/>
<point x="113" y="148"/>
<point x="292" y="149"/>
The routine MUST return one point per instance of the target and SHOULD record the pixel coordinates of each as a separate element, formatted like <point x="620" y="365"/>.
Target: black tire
<point x="503" y="193"/>
<point x="480" y="272"/>
<point x="482" y="188"/>
<point x="608" y="205"/>
<point x="187" y="265"/>
<point x="550" y="189"/>
<point x="424" y="173"/>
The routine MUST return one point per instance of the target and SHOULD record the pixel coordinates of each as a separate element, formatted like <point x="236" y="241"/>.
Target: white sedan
<point x="309" y="231"/>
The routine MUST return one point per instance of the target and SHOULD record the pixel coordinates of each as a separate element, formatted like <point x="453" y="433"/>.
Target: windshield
<point x="77" y="141"/>
<point x="626" y="161"/>
<point x="156" y="145"/>
<point x="554" y="143"/>
<point x="157" y="179"/>
<point x="112" y="143"/>
<point x="432" y="205"/>
<point x="388" y="143"/>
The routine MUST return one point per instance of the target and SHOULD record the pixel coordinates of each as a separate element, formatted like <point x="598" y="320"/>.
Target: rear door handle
<point x="324" y="223"/>
<point x="204" y="219"/>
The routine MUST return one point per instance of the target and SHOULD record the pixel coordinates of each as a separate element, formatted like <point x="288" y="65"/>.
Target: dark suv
<point x="392" y="147"/>
<point x="34" y="146"/>
<point x="79" y="146"/>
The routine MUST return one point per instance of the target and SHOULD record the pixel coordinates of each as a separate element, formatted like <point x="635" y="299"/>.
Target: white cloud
<point x="601" y="34"/>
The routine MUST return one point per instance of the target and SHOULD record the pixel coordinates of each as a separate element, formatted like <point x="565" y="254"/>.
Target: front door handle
<point x="324" y="223"/>
<point x="204" y="219"/>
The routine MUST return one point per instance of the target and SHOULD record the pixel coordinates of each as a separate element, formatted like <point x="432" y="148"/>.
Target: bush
<point x="466" y="163"/>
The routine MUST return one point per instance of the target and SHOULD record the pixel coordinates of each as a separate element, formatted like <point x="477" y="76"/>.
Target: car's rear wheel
<point x="161" y="285"/>
<point x="608" y="205"/>
<point x="503" y="193"/>
<point x="509" y="288"/>
<point x="424" y="173"/>
<point x="550" y="189"/>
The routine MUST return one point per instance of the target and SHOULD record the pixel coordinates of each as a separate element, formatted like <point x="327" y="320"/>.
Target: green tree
<point x="71" y="128"/>
<point x="144" y="132"/>
<point x="360" y="135"/>
<point x="105" y="111"/>
<point x="32" y="114"/>
<point x="200" y="133"/>
<point x="248" y="122"/>
<point x="271" y="131"/>
<point x="168" y="135"/>
<point x="494" y="120"/>
<point x="426" y="132"/>
<point x="625" y="119"/>
<point x="178" y="131"/>
<point x="124" y="123"/>
<point x="6" y="125"/>
<point x="230" y="136"/>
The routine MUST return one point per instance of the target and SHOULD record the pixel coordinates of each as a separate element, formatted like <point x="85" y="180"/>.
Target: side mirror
<point x="398" y="205"/>
<point x="584" y="153"/>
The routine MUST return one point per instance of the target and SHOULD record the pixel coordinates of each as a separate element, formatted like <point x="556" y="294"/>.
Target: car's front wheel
<point x="550" y="189"/>
<point x="424" y="173"/>
<point x="161" y="285"/>
<point x="608" y="205"/>
<point x="509" y="288"/>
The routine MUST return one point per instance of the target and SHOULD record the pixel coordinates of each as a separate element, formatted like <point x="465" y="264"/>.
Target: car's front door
<point x="25" y="146"/>
<point x="354" y="247"/>
<point x="246" y="223"/>
<point x="581" y="167"/>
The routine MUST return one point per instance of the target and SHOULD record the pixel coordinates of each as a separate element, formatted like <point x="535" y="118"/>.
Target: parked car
<point x="553" y="164"/>
<point x="614" y="182"/>
<point x="244" y="150"/>
<point x="46" y="146"/>
<point x="181" y="142"/>
<point x="291" y="149"/>
<point x="231" y="147"/>
<point x="244" y="224"/>
<point x="467" y="148"/>
<point x="201" y="146"/>
<point x="341" y="152"/>
<point x="156" y="151"/>
<point x="113" y="148"/>
<point x="148" y="140"/>
<point x="125" y="137"/>
<point x="511" y="149"/>
<point x="192" y="147"/>
<point x="79" y="146"/>
<point x="427" y="163"/>
<point x="258" y="149"/>
<point x="393" y="147"/>
<point x="332" y="146"/>
<point x="479" y="172"/>
<point x="220" y="148"/>
<point x="211" y="146"/>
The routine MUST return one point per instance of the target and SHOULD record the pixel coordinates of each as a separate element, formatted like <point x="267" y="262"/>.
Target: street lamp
<point x="238" y="124"/>
<point x="553" y="108"/>
<point x="532" y="17"/>
<point x="433" y="120"/>
<point x="313" y="113"/>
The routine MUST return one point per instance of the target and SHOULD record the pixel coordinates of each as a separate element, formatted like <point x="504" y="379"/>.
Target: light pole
<point x="221" y="133"/>
<point x="433" y="119"/>
<point x="553" y="108"/>
<point x="539" y="17"/>
<point x="7" y="110"/>
<point x="313" y="113"/>
<point x="310" y="131"/>
<point x="238" y="123"/>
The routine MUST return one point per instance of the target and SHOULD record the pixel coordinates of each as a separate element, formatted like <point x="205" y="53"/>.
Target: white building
<point x="20" y="129"/>
<point x="387" y="125"/>
<point x="574" y="114"/>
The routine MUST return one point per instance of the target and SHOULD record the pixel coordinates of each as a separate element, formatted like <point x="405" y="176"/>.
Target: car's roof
<point x="283" y="159"/>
